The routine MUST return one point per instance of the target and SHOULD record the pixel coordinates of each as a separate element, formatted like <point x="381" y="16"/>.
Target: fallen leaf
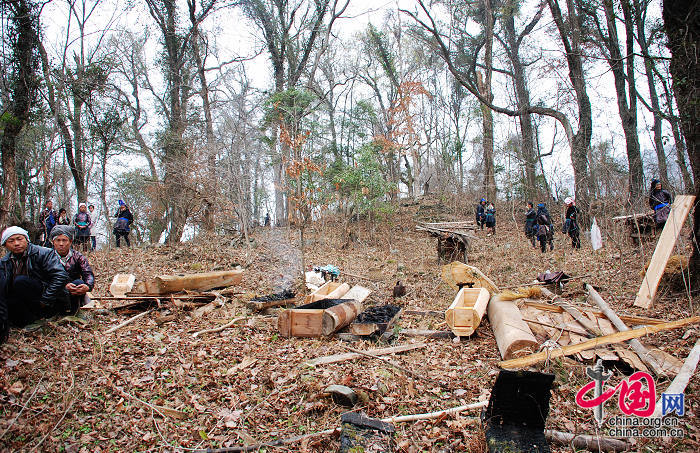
<point x="16" y="388"/>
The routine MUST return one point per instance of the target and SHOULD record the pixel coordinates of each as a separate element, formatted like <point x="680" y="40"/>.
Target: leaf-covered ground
<point x="151" y="386"/>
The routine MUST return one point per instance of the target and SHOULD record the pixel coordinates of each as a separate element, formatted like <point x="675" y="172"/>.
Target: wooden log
<point x="122" y="284"/>
<point x="353" y="355"/>
<point x="672" y="229"/>
<point x="635" y="344"/>
<point x="127" y="322"/>
<point x="513" y="335"/>
<point x="339" y="316"/>
<point x="680" y="382"/>
<point x="595" y="342"/>
<point x="426" y="333"/>
<point x="629" y="319"/>
<point x="166" y="284"/>
<point x="587" y="442"/>
<point x="260" y="306"/>
<point x="465" y="313"/>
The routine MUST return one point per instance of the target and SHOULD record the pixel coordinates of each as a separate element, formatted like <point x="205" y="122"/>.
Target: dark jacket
<point x="78" y="268"/>
<point x="530" y="219"/>
<point x="119" y="225"/>
<point x="659" y="197"/>
<point x="83" y="219"/>
<point x="480" y="213"/>
<point x="571" y="219"/>
<point x="42" y="264"/>
<point x="48" y="220"/>
<point x="543" y="216"/>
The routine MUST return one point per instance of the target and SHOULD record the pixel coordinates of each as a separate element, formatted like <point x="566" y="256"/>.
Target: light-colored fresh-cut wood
<point x="456" y="274"/>
<point x="466" y="311"/>
<point x="166" y="284"/>
<point x="623" y="351"/>
<point x="628" y="319"/>
<point x="606" y="354"/>
<point x="681" y="380"/>
<point x="513" y="335"/>
<point x="353" y="355"/>
<point x="618" y="337"/>
<point x="635" y="344"/>
<point x="122" y="284"/>
<point x="664" y="248"/>
<point x="329" y="290"/>
<point x="573" y="311"/>
<point x="359" y="293"/>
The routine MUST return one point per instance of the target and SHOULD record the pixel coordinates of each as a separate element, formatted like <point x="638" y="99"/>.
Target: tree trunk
<point x="570" y="34"/>
<point x="640" y="14"/>
<point x="522" y="94"/>
<point x="682" y="24"/>
<point x="24" y="23"/>
<point x="486" y="113"/>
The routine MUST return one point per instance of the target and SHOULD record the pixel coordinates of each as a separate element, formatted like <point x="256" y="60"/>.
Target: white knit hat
<point x="568" y="200"/>
<point x="11" y="231"/>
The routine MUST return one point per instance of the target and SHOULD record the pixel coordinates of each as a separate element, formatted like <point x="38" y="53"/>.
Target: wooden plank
<point x="329" y="290"/>
<point x="595" y="342"/>
<point x="603" y="353"/>
<point x="573" y="311"/>
<point x="664" y="248"/>
<point x="635" y="344"/>
<point x="352" y="355"/>
<point x="628" y="319"/>
<point x="626" y="355"/>
<point x="513" y="335"/>
<point x="681" y="380"/>
<point x="122" y="284"/>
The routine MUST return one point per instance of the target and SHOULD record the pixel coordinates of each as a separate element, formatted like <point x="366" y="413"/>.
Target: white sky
<point x="233" y="35"/>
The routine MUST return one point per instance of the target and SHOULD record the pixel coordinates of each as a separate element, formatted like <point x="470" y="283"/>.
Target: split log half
<point x="513" y="336"/>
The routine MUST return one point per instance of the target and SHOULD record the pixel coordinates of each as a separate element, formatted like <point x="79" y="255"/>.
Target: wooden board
<point x="513" y="336"/>
<point x="465" y="313"/>
<point x="595" y="342"/>
<point x="166" y="284"/>
<point x="628" y="319"/>
<point x="623" y="351"/>
<point x="664" y="248"/>
<point x="329" y="290"/>
<point x="122" y="284"/>
<point x="353" y="355"/>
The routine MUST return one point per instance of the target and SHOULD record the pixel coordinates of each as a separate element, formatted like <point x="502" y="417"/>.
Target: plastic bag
<point x="596" y="236"/>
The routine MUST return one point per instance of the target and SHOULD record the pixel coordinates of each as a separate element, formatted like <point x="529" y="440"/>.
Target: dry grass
<point x="85" y="391"/>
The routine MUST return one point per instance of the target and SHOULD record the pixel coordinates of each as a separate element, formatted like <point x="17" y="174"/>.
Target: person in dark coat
<point x="545" y="228"/>
<point x="123" y="224"/>
<point x="82" y="222"/>
<point x="80" y="276"/>
<point x="571" y="222"/>
<point x="47" y="220"/>
<point x="63" y="217"/>
<point x="530" y="223"/>
<point x="490" y="219"/>
<point x="481" y="213"/>
<point x="32" y="281"/>
<point x="660" y="200"/>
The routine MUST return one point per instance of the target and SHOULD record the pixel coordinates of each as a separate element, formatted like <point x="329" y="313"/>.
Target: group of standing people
<point x="540" y="227"/>
<point x="486" y="216"/>
<point x="83" y="221"/>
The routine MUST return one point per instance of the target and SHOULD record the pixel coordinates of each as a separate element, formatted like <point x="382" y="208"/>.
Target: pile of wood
<point x="453" y="238"/>
<point x="182" y="290"/>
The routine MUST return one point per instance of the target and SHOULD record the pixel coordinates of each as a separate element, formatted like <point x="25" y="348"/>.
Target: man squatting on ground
<point x="32" y="282"/>
<point x="80" y="276"/>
